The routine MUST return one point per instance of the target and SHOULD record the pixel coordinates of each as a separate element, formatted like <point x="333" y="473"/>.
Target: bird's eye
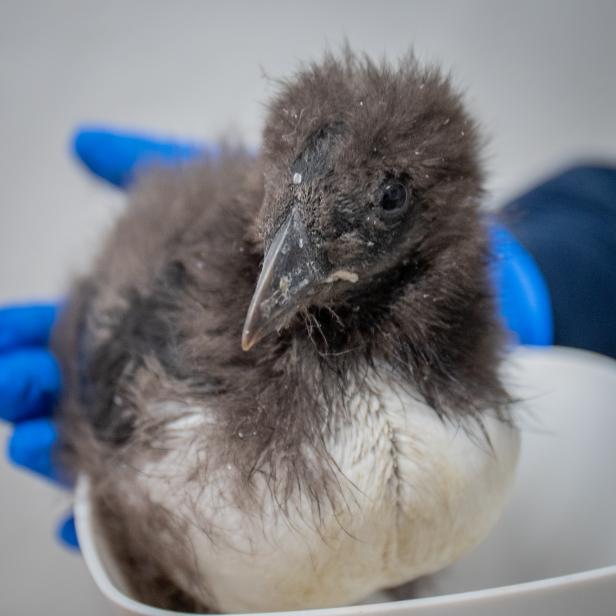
<point x="395" y="198"/>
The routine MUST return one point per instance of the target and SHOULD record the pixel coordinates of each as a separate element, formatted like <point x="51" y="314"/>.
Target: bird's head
<point x="372" y="179"/>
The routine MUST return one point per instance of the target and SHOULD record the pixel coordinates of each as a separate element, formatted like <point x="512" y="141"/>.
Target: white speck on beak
<point x="342" y="275"/>
<point x="297" y="178"/>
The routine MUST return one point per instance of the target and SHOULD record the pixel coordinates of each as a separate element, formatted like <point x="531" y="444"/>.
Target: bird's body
<point x="369" y="441"/>
<point x="415" y="494"/>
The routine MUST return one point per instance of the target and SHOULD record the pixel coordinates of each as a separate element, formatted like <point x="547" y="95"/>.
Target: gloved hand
<point x="522" y="294"/>
<point x="29" y="389"/>
<point x="30" y="380"/>
<point x="30" y="377"/>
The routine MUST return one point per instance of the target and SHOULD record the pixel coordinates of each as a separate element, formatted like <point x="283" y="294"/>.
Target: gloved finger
<point x="32" y="446"/>
<point x="30" y="384"/>
<point x="114" y="155"/>
<point x="27" y="325"/>
<point x="67" y="533"/>
<point x="521" y="292"/>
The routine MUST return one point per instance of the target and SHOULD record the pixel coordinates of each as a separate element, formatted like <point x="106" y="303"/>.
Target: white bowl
<point x="554" y="550"/>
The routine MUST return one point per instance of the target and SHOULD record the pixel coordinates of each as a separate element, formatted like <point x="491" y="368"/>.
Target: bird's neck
<point x="447" y="352"/>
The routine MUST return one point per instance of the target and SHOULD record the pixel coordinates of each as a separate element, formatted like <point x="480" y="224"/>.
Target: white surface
<point x="554" y="550"/>
<point x="540" y="75"/>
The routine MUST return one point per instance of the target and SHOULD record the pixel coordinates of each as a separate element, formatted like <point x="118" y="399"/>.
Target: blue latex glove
<point x="30" y="380"/>
<point x="29" y="375"/>
<point x="116" y="156"/>
<point x="521" y="290"/>
<point x="29" y="389"/>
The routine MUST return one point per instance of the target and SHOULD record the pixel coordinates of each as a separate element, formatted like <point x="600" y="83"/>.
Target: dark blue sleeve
<point x="568" y="224"/>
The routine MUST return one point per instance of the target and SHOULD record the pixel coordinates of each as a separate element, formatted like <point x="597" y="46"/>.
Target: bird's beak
<point x="292" y="269"/>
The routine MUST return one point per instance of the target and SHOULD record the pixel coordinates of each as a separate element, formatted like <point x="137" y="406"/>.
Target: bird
<point x="283" y="372"/>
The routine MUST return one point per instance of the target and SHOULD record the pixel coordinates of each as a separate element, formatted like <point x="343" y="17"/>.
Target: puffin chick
<point x="282" y="375"/>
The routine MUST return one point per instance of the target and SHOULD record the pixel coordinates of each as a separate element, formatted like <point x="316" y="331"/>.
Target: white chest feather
<point x="417" y="493"/>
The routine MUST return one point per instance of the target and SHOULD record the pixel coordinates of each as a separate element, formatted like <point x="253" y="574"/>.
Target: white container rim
<point x="87" y="542"/>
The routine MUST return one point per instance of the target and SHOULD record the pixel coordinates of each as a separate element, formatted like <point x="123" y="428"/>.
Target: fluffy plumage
<point x="365" y="442"/>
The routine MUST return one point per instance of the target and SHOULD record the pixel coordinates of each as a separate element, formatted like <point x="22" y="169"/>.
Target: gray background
<point x="539" y="75"/>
